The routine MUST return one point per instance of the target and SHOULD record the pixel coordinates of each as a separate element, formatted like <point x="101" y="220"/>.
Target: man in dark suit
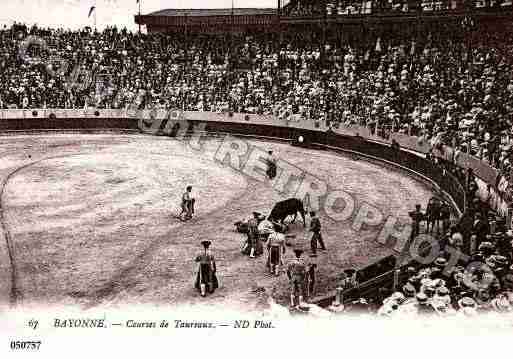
<point x="445" y="216"/>
<point x="417" y="216"/>
<point x="433" y="215"/>
<point x="315" y="228"/>
<point x="271" y="165"/>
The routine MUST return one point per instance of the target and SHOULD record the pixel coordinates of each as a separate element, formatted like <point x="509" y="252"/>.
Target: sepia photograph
<point x="308" y="169"/>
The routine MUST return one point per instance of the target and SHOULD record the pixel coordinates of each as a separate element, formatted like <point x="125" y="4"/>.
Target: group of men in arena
<point x="480" y="233"/>
<point x="262" y="233"/>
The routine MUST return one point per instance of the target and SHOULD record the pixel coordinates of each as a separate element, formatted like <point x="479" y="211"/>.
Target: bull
<point x="288" y="207"/>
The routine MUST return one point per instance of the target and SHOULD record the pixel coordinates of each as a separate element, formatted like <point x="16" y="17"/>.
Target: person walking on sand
<point x="187" y="204"/>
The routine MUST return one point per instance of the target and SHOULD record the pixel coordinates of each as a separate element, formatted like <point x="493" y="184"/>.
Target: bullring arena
<point x="90" y="218"/>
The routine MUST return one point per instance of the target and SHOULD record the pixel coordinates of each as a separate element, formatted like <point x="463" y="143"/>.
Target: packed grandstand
<point x="449" y="84"/>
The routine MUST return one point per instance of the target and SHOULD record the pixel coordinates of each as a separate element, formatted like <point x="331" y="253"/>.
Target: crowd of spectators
<point x="471" y="271"/>
<point x="481" y="281"/>
<point x="464" y="291"/>
<point x="451" y="85"/>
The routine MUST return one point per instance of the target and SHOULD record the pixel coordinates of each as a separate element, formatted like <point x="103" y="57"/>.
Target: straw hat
<point x="422" y="298"/>
<point x="501" y="304"/>
<point x="440" y="262"/>
<point x="409" y="290"/>
<point x="467" y="302"/>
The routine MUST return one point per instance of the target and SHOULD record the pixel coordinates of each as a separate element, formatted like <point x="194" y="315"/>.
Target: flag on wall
<point x="93" y="8"/>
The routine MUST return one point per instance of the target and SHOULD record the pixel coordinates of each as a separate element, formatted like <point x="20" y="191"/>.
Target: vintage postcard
<point x="256" y="177"/>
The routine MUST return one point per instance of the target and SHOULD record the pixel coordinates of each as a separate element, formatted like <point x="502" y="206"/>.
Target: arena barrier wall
<point x="353" y="138"/>
<point x="101" y="118"/>
<point x="413" y="143"/>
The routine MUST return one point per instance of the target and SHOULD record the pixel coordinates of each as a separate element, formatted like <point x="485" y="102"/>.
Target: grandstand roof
<point x="214" y="12"/>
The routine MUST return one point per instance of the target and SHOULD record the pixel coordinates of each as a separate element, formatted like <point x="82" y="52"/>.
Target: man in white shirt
<point x="187" y="204"/>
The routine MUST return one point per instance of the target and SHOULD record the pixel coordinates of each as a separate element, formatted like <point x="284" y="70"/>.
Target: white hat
<point x="501" y="304"/>
<point x="467" y="302"/>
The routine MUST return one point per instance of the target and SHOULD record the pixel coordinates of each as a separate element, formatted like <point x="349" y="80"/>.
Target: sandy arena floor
<point x="91" y="218"/>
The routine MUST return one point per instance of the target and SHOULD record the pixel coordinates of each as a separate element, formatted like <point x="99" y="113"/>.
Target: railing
<point x="355" y="138"/>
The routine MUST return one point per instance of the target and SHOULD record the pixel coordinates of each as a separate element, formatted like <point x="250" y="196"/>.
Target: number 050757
<point x="25" y="345"/>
